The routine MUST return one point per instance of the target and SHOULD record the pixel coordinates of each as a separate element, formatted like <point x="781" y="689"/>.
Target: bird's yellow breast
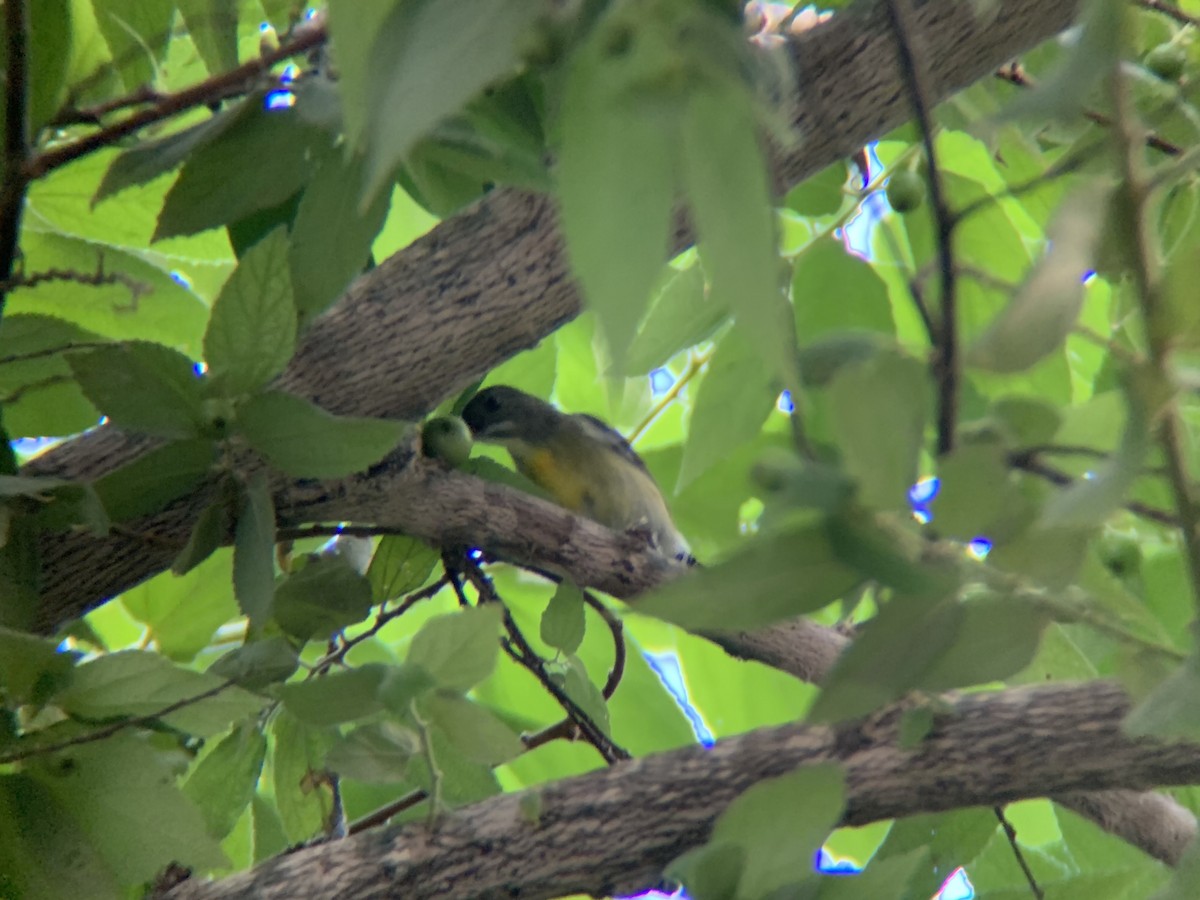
<point x="565" y="484"/>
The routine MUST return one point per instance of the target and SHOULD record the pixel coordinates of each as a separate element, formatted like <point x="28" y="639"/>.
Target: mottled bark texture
<point x="613" y="831"/>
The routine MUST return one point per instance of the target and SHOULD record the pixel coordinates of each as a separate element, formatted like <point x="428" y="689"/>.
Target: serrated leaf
<point x="252" y="331"/>
<point x="254" y="551"/>
<point x="336" y="697"/>
<point x="48" y="45"/>
<point x="378" y="753"/>
<point x="121" y="792"/>
<point x="331" y="237"/>
<point x="459" y="649"/>
<point x="31" y="668"/>
<point x="152" y="481"/>
<point x="473" y="730"/>
<point x="772" y="577"/>
<point x="323" y="597"/>
<point x="1043" y="311"/>
<point x="400" y="564"/>
<point x="35" y="403"/>
<point x="732" y="403"/>
<point x="139" y="683"/>
<point x="223" y="784"/>
<point x="725" y="174"/>
<point x="258" y="664"/>
<point x="616" y="180"/>
<point x="563" y="621"/>
<point x="417" y="71"/>
<point x="148" y="160"/>
<point x="260" y="160"/>
<point x="143" y="387"/>
<point x="303" y="440"/>
<point x="879" y="410"/>
<point x="779" y="824"/>
<point x="682" y="314"/>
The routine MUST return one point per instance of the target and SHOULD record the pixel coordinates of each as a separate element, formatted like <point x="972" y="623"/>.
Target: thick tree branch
<point x="494" y="280"/>
<point x="16" y="134"/>
<point x="613" y="831"/>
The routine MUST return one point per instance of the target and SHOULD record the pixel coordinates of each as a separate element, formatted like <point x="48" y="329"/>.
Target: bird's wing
<point x="601" y="431"/>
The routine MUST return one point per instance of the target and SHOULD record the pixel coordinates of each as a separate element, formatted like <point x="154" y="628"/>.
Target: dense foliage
<point x="942" y="397"/>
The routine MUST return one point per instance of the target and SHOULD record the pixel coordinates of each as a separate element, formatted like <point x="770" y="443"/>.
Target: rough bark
<point x="494" y="280"/>
<point x="613" y="831"/>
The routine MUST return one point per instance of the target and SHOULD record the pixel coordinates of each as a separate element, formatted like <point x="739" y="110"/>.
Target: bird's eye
<point x="490" y="403"/>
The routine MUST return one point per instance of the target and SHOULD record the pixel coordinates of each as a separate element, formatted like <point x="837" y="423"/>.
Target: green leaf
<point x="882" y="878"/>
<point x="303" y="440"/>
<point x="302" y="792"/>
<point x="779" y="824"/>
<point x="563" y="621"/>
<point x="1043" y="311"/>
<point x="820" y="195"/>
<point x="733" y="401"/>
<point x="44" y="853"/>
<point x="259" y="160"/>
<point x="252" y="331"/>
<point x="400" y="564"/>
<point x="31" y="668"/>
<point x="139" y="683"/>
<point x="49" y="39"/>
<point x="948" y="838"/>
<point x="402" y="685"/>
<point x="143" y="387"/>
<point x="213" y="27"/>
<point x="682" y="314"/>
<point x="459" y="649"/>
<point x="40" y="396"/>
<point x="1029" y="421"/>
<point x="150" y="482"/>
<point x="473" y="730"/>
<point x="148" y="160"/>
<point x="378" y="753"/>
<point x="879" y="410"/>
<point x="821" y="361"/>
<point x="417" y="71"/>
<point x="137" y="35"/>
<point x="341" y="696"/>
<point x="583" y="691"/>
<point x="331" y="237"/>
<point x="223" y="784"/>
<point x="826" y="267"/>
<point x="616" y="177"/>
<point x="771" y="578"/>
<point x="975" y="490"/>
<point x="321" y="598"/>
<point x="254" y="551"/>
<point x="726" y="178"/>
<point x="710" y="871"/>
<point x="123" y="795"/>
<point x="1170" y="711"/>
<point x="996" y="636"/>
<point x="258" y="663"/>
<point x="210" y="531"/>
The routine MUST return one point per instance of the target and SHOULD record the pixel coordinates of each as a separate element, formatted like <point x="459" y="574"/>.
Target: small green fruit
<point x="1120" y="552"/>
<point x="1166" y="61"/>
<point x="905" y="190"/>
<point x="447" y="438"/>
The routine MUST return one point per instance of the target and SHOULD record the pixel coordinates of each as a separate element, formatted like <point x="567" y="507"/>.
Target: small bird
<point x="580" y="461"/>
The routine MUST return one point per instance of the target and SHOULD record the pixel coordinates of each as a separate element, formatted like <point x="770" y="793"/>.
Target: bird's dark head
<point x="503" y="414"/>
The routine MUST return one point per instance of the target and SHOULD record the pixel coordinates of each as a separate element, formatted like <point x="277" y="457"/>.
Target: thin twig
<point x="16" y="136"/>
<point x="946" y="363"/>
<point x="171" y="104"/>
<point x="98" y="278"/>
<point x="94" y="115"/>
<point x="1011" y="834"/>
<point x="109" y="730"/>
<point x="1031" y="463"/>
<point x="1158" y="329"/>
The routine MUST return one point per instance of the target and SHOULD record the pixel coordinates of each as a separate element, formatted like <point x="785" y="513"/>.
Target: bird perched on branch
<point x="580" y="461"/>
